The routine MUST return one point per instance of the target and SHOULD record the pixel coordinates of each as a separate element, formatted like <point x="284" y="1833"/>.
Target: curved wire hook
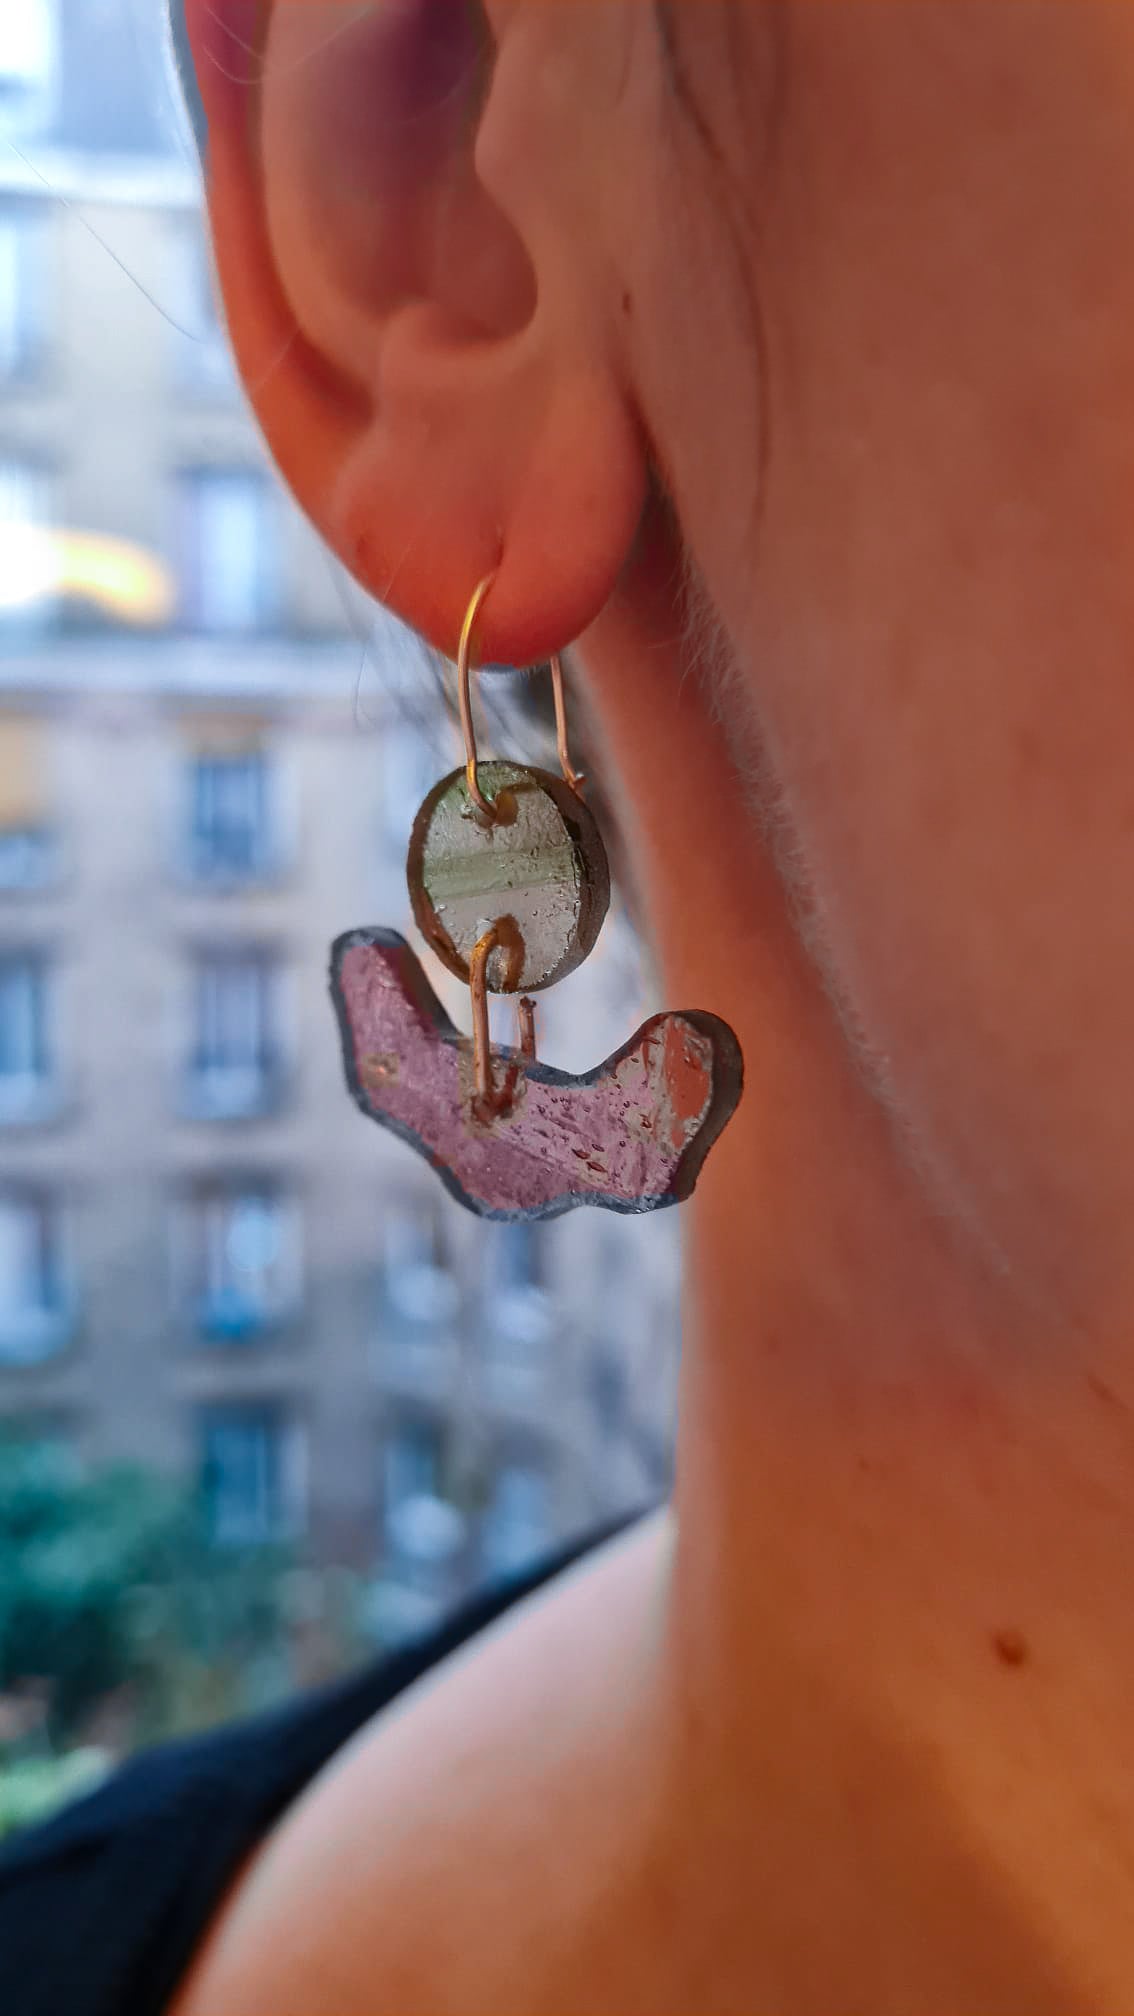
<point x="574" y="778"/>
<point x="484" y="806"/>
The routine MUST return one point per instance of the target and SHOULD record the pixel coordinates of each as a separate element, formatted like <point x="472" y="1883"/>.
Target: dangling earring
<point x="509" y="884"/>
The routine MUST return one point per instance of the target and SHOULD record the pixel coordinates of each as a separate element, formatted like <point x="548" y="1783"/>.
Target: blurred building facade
<point x="208" y="765"/>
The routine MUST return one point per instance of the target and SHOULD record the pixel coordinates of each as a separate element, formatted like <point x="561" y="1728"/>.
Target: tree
<point x="110" y="1583"/>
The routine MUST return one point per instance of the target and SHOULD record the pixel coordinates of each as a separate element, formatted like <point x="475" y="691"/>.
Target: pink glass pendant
<point x="631" y="1136"/>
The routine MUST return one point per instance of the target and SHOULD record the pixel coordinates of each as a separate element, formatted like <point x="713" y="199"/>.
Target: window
<point x="252" y="1475"/>
<point x="27" y="65"/>
<point x="25" y="1057"/>
<point x="420" y="1291"/>
<point x="516" y="1257"/>
<point x="419" y="1301"/>
<point x="424" y="1536"/>
<point x="203" y="358"/>
<point x="32" y="1301"/>
<point x="413" y="1465"/>
<point x="410" y="768"/>
<point x="230" y="816"/>
<point x="29" y="570"/>
<point x="29" y="855"/>
<point x="244" y="1260"/>
<point x="410" y="1484"/>
<point x="236" y="1068"/>
<point x="517" y="1310"/>
<point x="228" y="551"/>
<point x="28" y="858"/>
<point x="517" y="1525"/>
<point x="424" y="1533"/>
<point x="22" y="236"/>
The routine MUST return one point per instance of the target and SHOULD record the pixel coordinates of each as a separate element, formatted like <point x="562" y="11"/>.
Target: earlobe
<point x="416" y="360"/>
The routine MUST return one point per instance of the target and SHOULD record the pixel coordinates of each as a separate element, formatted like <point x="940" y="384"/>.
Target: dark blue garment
<point x="102" y="1908"/>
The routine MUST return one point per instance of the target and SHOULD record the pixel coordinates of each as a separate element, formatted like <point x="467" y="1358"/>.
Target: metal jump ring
<point x="491" y="1100"/>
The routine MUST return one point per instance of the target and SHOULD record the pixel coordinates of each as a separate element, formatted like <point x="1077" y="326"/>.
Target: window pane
<point x="517" y="1525"/>
<point x="413" y="1464"/>
<point x="250" y="1475"/>
<point x="233" y="1030"/>
<point x="21" y="289"/>
<point x="421" y="1293"/>
<point x="25" y="43"/>
<point x="244" y="1261"/>
<point x="24" y="1270"/>
<point x="202" y="359"/>
<point x="27" y="64"/>
<point x="411" y="765"/>
<point x="235" y="1060"/>
<point x="29" y="572"/>
<point x="516" y="1255"/>
<point x="31" y="1289"/>
<point x="23" y="1022"/>
<point x="28" y="841"/>
<point x="229" y="836"/>
<point x="228" y="565"/>
<point x="518" y="1318"/>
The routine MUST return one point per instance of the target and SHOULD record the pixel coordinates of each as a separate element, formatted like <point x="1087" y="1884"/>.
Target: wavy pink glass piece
<point x="631" y="1135"/>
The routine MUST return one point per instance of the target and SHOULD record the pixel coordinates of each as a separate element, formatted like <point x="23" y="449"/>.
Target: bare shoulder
<point x="450" y="1856"/>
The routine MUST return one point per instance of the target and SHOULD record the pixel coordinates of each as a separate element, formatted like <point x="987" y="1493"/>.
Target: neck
<point x="904" y="1497"/>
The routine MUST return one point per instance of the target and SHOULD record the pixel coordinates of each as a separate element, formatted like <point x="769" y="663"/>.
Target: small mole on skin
<point x="627" y="302"/>
<point x="1010" y="1646"/>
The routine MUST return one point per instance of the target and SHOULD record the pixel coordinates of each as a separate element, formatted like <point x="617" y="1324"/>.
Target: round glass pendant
<point x="537" y="871"/>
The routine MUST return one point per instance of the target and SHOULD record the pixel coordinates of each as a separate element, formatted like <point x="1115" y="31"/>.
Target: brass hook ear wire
<point x="573" y="777"/>
<point x="489" y="1101"/>
<point x="484" y="806"/>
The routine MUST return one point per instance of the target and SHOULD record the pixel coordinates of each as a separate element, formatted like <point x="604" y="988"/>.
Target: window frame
<point x="28" y="1098"/>
<point x="41" y="613"/>
<point x="29" y="98"/>
<point x="286" y="1515"/>
<point x="203" y="363"/>
<point x="31" y="339"/>
<point x="526" y="1461"/>
<point x="40" y="1329"/>
<point x="199" y="850"/>
<point x="262" y="1318"/>
<point x="266" y="606"/>
<point x="216" y="1089"/>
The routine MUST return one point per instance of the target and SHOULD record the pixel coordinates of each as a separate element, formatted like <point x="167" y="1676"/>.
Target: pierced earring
<point x="509" y="885"/>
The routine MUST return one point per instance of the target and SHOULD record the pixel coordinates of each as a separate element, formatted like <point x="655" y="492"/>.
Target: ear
<point x="416" y="306"/>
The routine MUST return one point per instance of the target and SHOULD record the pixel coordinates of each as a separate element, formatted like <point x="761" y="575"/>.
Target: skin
<point x="797" y="384"/>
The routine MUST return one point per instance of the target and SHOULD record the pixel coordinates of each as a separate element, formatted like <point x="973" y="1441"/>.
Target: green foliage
<point x="109" y="1586"/>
